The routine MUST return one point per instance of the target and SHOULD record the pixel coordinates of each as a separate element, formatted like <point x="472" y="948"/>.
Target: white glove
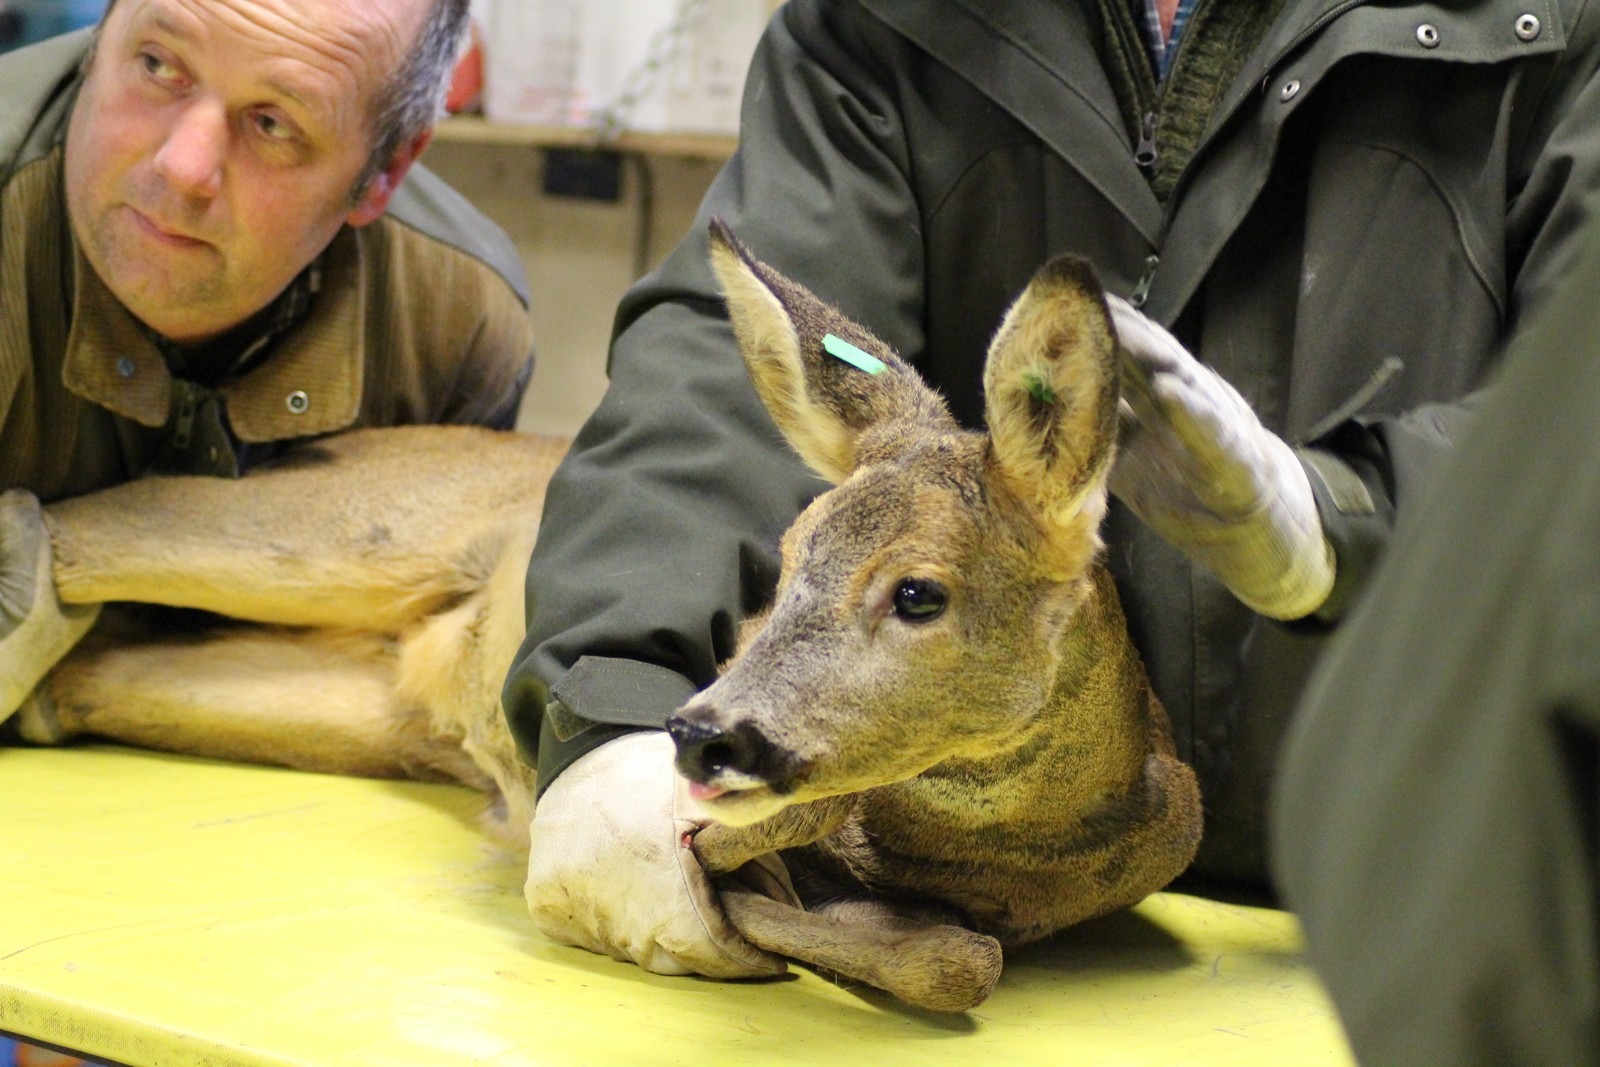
<point x="1198" y="467"/>
<point x="36" y="629"/>
<point x="611" y="868"/>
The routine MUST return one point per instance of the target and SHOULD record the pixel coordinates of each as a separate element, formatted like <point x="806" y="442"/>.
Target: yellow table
<point x="157" y="910"/>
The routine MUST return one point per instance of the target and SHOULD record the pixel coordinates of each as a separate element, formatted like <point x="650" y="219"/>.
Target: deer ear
<point x="1050" y="389"/>
<point x="824" y="379"/>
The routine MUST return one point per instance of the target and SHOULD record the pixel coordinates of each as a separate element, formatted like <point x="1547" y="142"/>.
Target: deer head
<point x="925" y="601"/>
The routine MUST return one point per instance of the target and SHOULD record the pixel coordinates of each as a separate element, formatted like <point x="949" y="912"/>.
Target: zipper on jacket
<point x="1145" y="154"/>
<point x="1141" y="292"/>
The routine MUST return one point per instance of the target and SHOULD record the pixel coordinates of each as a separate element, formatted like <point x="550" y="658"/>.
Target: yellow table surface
<point x="158" y="910"/>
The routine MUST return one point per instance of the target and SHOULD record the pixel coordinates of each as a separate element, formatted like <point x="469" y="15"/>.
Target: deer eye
<point x="919" y="600"/>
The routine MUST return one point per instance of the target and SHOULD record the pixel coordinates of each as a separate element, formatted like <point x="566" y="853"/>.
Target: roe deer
<point x="943" y="708"/>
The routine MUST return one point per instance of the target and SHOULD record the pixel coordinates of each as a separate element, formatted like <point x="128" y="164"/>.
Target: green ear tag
<point x="842" y="349"/>
<point x="1036" y="387"/>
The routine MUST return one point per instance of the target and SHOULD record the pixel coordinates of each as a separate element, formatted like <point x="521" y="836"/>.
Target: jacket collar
<point x="311" y="384"/>
<point x="1051" y="78"/>
<point x="1048" y="75"/>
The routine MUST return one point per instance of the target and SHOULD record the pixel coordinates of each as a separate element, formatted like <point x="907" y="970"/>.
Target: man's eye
<point x="159" y="69"/>
<point x="273" y="128"/>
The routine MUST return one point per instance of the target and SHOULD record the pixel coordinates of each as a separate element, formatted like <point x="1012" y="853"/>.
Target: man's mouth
<point x="165" y="234"/>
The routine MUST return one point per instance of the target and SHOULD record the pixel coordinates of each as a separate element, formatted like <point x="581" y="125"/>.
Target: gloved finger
<point x="740" y="957"/>
<point x="722" y="951"/>
<point x="607" y="872"/>
<point x="1205" y="423"/>
<point x="1225" y="458"/>
<point x="1146" y="347"/>
<point x="23" y="543"/>
<point x="36" y="629"/>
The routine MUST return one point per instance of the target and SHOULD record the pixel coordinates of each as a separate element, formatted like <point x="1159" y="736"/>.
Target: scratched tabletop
<point x="158" y="910"/>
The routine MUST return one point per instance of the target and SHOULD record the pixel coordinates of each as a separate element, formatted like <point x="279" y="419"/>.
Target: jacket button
<point x="1428" y="35"/>
<point x="1528" y="27"/>
<point x="125" y="367"/>
<point x="297" y="402"/>
<point x="1290" y="90"/>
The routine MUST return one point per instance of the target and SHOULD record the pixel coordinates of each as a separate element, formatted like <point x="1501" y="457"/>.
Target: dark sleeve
<point x="660" y="529"/>
<point x="1435" y="815"/>
<point x="1365" y="469"/>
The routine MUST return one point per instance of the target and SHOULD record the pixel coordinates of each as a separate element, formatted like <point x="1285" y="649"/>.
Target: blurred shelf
<point x="471" y="129"/>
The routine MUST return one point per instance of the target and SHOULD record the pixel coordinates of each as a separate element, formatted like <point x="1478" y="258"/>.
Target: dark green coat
<point x="1358" y="197"/>
<point x="1438" y="816"/>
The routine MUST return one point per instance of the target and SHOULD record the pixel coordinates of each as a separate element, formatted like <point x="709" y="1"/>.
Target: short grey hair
<point x="410" y="102"/>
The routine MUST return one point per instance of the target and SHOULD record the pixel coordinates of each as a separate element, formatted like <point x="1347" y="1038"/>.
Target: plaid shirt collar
<point x="1162" y="48"/>
<point x="244" y="347"/>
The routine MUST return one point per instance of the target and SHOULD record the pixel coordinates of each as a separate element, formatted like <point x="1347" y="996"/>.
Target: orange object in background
<point x="466" y="84"/>
<point x="32" y="1056"/>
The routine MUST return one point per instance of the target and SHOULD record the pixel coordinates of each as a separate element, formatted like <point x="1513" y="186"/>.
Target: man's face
<point x="215" y="143"/>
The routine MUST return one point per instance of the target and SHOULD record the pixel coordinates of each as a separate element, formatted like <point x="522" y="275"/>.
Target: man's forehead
<point x="364" y="37"/>
<point x="318" y="54"/>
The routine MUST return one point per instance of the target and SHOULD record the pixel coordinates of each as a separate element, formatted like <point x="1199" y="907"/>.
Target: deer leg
<point x="369" y="542"/>
<point x="721" y="848"/>
<point x="314" y="701"/>
<point x="938" y="967"/>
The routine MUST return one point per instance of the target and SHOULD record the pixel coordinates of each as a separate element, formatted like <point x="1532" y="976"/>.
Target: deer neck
<point x="1088" y="743"/>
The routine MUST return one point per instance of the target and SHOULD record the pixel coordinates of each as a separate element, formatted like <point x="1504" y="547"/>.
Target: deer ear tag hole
<point x="842" y="349"/>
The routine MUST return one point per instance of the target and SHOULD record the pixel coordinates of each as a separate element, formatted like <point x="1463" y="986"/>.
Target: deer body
<point x="369" y="588"/>
<point x="945" y="671"/>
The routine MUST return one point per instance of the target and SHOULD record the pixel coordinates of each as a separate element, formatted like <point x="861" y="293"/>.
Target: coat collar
<point x="1039" y="62"/>
<point x="311" y="384"/>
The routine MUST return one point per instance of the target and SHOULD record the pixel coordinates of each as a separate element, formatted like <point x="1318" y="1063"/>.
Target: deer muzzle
<point x="726" y="756"/>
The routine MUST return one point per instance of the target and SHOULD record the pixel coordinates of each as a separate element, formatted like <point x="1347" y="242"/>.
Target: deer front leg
<point x="185" y="543"/>
<point x="368" y="530"/>
<point x="938" y="967"/>
<point x="721" y="848"/>
<point x="921" y="959"/>
<point x="313" y="701"/>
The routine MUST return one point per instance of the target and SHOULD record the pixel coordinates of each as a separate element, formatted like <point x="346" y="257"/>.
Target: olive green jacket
<point x="1381" y="186"/>
<point x="422" y="318"/>
<point x="1438" y="810"/>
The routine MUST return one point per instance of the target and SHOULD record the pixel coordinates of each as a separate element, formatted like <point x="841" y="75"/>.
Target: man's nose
<point x="191" y="157"/>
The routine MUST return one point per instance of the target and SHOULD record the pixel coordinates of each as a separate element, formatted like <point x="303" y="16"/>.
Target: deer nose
<point x="707" y="749"/>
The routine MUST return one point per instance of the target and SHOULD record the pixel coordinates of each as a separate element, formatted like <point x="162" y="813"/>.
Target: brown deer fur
<point x="1000" y="771"/>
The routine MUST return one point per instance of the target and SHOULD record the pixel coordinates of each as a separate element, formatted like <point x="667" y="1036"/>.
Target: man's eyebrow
<point x="308" y="103"/>
<point x="295" y="96"/>
<point x="309" y="110"/>
<point x="164" y="22"/>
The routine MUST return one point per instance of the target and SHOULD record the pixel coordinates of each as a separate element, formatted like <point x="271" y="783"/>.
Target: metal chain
<point x="665" y="47"/>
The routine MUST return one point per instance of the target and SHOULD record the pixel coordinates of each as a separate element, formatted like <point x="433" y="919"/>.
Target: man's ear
<point x="375" y="198"/>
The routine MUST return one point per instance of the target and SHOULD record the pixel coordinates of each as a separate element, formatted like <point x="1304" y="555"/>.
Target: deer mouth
<point x="735" y="806"/>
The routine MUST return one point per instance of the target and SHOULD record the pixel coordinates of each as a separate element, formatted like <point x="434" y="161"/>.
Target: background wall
<point x="580" y="254"/>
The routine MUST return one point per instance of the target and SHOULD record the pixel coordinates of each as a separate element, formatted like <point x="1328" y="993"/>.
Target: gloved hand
<point x="36" y="629"/>
<point x="611" y="870"/>
<point x="1198" y="467"/>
